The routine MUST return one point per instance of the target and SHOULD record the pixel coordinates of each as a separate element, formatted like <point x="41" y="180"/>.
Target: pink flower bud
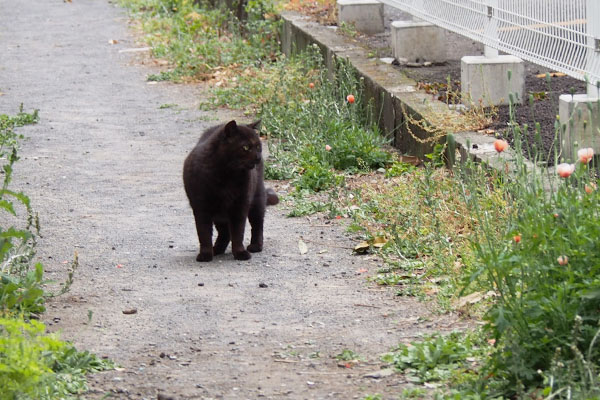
<point x="563" y="260"/>
<point x="585" y="155"/>
<point x="327" y="147"/>
<point x="565" y="170"/>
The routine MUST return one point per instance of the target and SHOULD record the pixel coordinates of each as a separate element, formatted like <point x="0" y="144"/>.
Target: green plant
<point x="20" y="284"/>
<point x="399" y="168"/>
<point x="413" y="393"/>
<point x="438" y="357"/>
<point x="373" y="397"/>
<point x="316" y="129"/>
<point x="198" y="38"/>
<point x="348" y="355"/>
<point x="543" y="264"/>
<point x="34" y="365"/>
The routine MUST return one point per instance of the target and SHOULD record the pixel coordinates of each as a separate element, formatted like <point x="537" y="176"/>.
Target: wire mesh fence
<point x="563" y="35"/>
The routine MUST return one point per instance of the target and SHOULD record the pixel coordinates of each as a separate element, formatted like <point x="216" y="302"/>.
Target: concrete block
<point x="485" y="79"/>
<point x="418" y="41"/>
<point x="365" y="15"/>
<point x="580" y="121"/>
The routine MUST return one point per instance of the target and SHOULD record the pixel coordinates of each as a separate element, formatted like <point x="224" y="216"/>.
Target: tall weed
<point x="543" y="266"/>
<point x="35" y="365"/>
<point x="20" y="282"/>
<point x="319" y="130"/>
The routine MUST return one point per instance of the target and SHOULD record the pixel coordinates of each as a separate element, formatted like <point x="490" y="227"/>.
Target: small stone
<point x="263" y="285"/>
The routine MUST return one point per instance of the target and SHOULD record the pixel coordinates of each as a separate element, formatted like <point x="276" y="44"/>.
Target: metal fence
<point x="563" y="35"/>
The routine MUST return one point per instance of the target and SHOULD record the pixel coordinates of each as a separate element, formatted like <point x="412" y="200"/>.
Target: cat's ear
<point x="230" y="129"/>
<point x="254" y="125"/>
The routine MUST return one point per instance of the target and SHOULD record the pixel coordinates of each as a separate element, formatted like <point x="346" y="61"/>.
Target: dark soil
<point x="543" y="110"/>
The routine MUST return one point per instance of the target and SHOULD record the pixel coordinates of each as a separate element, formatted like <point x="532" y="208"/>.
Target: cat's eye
<point x="246" y="147"/>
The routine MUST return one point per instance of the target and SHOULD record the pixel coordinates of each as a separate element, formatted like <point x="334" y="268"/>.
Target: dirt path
<point x="103" y="169"/>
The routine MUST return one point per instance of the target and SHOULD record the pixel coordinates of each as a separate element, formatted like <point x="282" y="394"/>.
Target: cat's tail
<point x="272" y="197"/>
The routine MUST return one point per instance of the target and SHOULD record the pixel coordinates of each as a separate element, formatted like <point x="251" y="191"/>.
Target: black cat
<point x="223" y="179"/>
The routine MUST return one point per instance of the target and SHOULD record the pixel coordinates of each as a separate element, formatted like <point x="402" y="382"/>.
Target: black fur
<point x="223" y="179"/>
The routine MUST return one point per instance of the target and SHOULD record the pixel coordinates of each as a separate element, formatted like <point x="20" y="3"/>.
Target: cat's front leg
<point x="236" y="228"/>
<point x="256" y="217"/>
<point x="204" y="226"/>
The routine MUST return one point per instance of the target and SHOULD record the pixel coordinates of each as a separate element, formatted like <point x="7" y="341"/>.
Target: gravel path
<point x="103" y="169"/>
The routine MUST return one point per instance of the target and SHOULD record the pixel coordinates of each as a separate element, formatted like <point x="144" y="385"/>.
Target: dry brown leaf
<point x="362" y="248"/>
<point x="411" y="160"/>
<point x="379" y="242"/>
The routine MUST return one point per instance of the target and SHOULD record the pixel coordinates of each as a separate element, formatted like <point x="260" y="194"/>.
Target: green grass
<point x="197" y="39"/>
<point x="36" y="365"/>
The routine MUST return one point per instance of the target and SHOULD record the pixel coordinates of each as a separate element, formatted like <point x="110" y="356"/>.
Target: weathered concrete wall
<point x="395" y="96"/>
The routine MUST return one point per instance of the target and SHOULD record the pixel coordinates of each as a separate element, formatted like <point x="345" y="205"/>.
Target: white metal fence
<point x="563" y="35"/>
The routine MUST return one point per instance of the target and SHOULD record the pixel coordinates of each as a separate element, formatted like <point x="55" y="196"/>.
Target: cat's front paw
<point x="204" y="257"/>
<point x="242" y="255"/>
<point x="254" y="248"/>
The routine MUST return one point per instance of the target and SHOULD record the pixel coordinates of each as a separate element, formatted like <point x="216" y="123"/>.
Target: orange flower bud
<point x="500" y="145"/>
<point x="517" y="238"/>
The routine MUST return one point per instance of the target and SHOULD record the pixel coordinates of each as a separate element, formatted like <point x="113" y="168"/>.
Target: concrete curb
<point x="394" y="94"/>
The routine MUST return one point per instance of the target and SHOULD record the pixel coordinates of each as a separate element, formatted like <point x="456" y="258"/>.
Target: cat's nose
<point x="257" y="159"/>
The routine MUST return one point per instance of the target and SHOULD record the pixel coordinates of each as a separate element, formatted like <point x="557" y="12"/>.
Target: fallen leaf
<point x="411" y="160"/>
<point x="362" y="248"/>
<point x="473" y="298"/>
<point x="382" y="373"/>
<point x="302" y="247"/>
<point x="470" y="299"/>
<point x="130" y="311"/>
<point x="113" y="41"/>
<point x="379" y="242"/>
<point x="362" y="271"/>
<point x="552" y="74"/>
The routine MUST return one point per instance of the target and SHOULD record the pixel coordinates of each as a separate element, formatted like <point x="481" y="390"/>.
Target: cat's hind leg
<point x="223" y="238"/>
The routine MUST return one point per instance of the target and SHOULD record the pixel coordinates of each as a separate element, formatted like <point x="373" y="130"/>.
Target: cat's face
<point x="243" y="145"/>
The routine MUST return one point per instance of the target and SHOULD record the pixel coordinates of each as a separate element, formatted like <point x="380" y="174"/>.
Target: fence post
<point x="593" y="37"/>
<point x="491" y="29"/>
